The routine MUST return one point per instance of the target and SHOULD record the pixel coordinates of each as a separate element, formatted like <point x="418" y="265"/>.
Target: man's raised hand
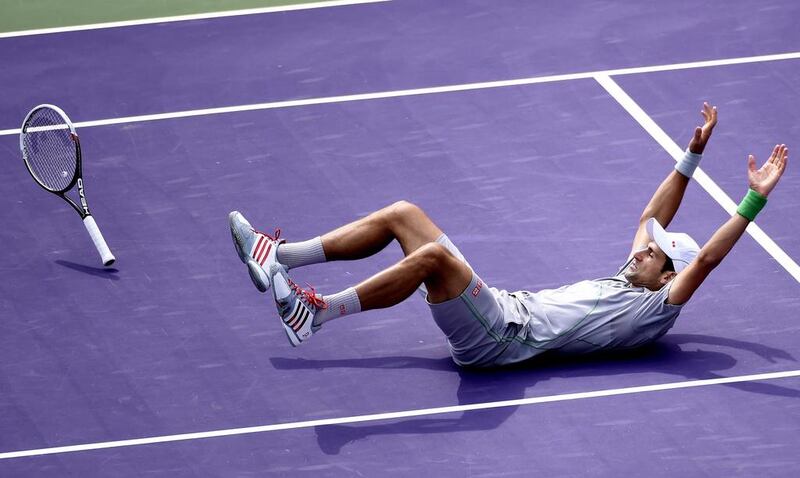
<point x="765" y="178"/>
<point x="702" y="133"/>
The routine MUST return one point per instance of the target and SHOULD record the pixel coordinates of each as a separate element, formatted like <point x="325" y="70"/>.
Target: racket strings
<point x="50" y="149"/>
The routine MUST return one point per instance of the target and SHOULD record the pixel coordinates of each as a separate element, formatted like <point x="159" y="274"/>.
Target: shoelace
<point x="277" y="234"/>
<point x="309" y="296"/>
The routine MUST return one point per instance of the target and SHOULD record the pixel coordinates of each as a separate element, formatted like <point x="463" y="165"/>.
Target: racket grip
<point x="99" y="242"/>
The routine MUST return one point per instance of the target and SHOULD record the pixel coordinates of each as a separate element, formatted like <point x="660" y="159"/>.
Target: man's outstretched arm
<point x="762" y="181"/>
<point x="667" y="198"/>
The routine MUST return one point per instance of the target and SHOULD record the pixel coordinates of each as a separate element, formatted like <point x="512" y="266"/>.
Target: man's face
<point x="645" y="269"/>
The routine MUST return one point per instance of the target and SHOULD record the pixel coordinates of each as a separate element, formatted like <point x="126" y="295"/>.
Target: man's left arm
<point x="762" y="181"/>
<point x="667" y="198"/>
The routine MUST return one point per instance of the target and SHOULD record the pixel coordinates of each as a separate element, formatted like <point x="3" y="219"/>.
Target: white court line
<point x="699" y="175"/>
<point x="430" y="90"/>
<point x="181" y="18"/>
<point x="403" y="414"/>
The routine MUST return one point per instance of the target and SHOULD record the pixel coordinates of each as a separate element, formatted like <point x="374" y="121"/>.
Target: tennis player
<point x="485" y="326"/>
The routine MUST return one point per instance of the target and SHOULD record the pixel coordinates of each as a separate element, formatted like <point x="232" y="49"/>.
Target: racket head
<point x="50" y="148"/>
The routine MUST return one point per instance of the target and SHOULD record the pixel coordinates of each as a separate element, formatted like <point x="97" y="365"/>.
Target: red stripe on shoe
<point x="263" y="248"/>
<point x="259" y="244"/>
<point x="266" y="254"/>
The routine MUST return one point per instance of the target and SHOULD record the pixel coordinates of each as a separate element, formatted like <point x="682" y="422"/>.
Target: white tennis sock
<point x="296" y="254"/>
<point x="339" y="305"/>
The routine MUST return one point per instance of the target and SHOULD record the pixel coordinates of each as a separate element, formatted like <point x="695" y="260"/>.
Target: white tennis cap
<point x="678" y="246"/>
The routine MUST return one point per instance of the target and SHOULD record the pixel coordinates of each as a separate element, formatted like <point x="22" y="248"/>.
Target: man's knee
<point x="404" y="211"/>
<point x="410" y="225"/>
<point x="435" y="258"/>
<point x="446" y="276"/>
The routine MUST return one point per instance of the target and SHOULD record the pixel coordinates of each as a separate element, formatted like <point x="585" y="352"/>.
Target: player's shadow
<point x="677" y="354"/>
<point x="104" y="272"/>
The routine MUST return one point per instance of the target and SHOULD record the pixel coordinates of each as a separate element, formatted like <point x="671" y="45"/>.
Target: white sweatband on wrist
<point x="688" y="163"/>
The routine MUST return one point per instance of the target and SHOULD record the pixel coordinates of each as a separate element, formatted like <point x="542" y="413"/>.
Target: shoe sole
<point x="293" y="341"/>
<point x="256" y="273"/>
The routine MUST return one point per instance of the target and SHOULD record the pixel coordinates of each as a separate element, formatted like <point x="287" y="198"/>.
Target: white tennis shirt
<point x="587" y="316"/>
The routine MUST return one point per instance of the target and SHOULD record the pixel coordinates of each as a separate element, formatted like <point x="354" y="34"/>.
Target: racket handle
<point x="99" y="242"/>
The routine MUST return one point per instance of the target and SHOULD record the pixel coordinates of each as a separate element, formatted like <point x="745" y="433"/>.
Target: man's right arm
<point x="667" y="198"/>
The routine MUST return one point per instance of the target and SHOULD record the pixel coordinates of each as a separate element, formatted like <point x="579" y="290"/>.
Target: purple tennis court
<point x="171" y="364"/>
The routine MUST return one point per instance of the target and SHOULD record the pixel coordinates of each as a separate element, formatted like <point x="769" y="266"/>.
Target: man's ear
<point x="667" y="276"/>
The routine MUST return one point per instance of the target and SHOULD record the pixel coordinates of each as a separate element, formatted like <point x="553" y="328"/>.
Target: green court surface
<point x="17" y="15"/>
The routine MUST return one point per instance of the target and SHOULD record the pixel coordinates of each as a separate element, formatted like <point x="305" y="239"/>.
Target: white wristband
<point x="688" y="163"/>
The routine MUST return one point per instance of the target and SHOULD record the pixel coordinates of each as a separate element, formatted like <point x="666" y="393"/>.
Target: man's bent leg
<point x="402" y="220"/>
<point x="431" y="264"/>
<point x="462" y="306"/>
<point x="303" y="311"/>
<point x="445" y="276"/>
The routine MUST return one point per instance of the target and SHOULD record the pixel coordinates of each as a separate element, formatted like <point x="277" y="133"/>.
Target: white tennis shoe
<point x="256" y="249"/>
<point x="296" y="306"/>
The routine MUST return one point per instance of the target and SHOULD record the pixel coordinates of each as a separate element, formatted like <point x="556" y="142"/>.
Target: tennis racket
<point x="52" y="153"/>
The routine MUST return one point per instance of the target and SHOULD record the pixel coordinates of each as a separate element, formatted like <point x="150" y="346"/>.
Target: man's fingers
<point x="709" y="114"/>
<point x="778" y="152"/>
<point x="751" y="163"/>
<point x="698" y="132"/>
<point x="773" y="156"/>
<point x="712" y="115"/>
<point x="784" y="156"/>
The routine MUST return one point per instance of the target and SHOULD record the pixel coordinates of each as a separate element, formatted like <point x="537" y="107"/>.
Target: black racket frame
<point x="77" y="178"/>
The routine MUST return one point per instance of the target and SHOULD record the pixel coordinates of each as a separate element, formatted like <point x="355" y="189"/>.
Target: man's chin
<point x="630" y="276"/>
